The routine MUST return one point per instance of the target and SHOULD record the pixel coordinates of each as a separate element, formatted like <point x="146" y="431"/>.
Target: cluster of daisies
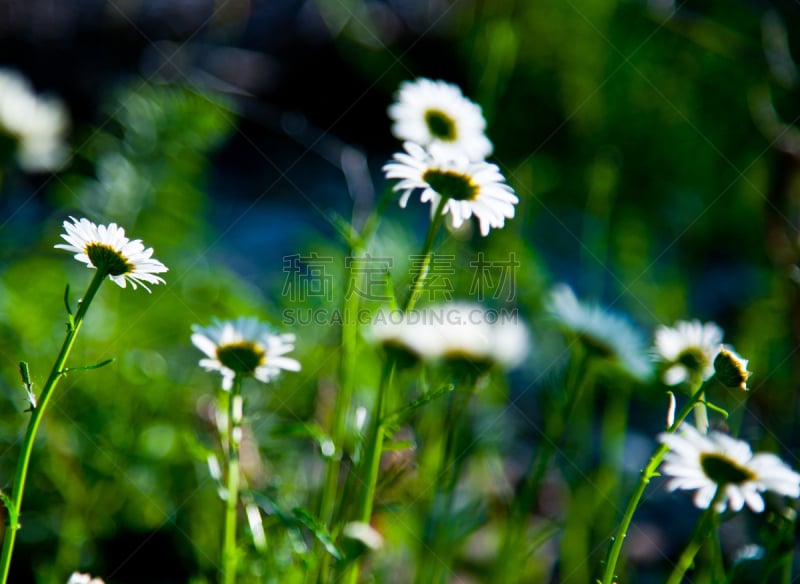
<point x="445" y="147"/>
<point x="689" y="353"/>
<point x="455" y="332"/>
<point x="443" y="156"/>
<point x="36" y="124"/>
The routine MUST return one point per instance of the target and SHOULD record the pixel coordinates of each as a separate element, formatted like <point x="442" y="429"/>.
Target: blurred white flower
<point x="78" y="578"/>
<point x="688" y="349"/>
<point x="38" y="124"/>
<point x="604" y="334"/>
<point x="106" y="248"/>
<point x="455" y="331"/>
<point x="707" y="462"/>
<point x="244" y="346"/>
<point x="431" y="112"/>
<point x="471" y="188"/>
<point x="363" y="533"/>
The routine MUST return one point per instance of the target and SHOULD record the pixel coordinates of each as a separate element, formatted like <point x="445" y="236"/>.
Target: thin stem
<point x="700" y="410"/>
<point x="648" y="473"/>
<point x="419" y="280"/>
<point x="437" y="556"/>
<point x="371" y="462"/>
<point x="705" y="525"/>
<point x="338" y="426"/>
<point x="56" y="372"/>
<point x="578" y="376"/>
<point x="229" y="550"/>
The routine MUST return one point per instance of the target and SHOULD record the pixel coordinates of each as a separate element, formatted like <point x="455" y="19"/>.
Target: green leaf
<point x="397" y="445"/>
<point x="319" y="530"/>
<point x="717" y="409"/>
<point x="87" y="367"/>
<point x="393" y="421"/>
<point x="309" y="430"/>
<point x="13" y="516"/>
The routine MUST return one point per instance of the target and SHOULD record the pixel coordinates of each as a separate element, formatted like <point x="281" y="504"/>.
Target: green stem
<point x="56" y="372"/>
<point x="338" y="426"/>
<point x="439" y="553"/>
<point x="427" y="249"/>
<point x="706" y="524"/>
<point x="229" y="551"/>
<point x="648" y="473"/>
<point x="578" y="376"/>
<point x="371" y="463"/>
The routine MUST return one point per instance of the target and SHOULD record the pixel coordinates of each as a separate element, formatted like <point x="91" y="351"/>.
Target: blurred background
<point x="652" y="143"/>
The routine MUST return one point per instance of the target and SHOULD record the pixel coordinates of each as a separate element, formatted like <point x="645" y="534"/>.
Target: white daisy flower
<point x="455" y="332"/>
<point x="39" y="124"/>
<point x="435" y="112"/>
<point x="604" y="334"/>
<point x="105" y="247"/>
<point x="244" y="346"/>
<point x="471" y="188"/>
<point x="705" y="462"/>
<point x="78" y="578"/>
<point x="688" y="349"/>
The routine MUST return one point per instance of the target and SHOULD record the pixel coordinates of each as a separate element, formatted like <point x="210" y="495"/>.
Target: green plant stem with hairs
<point x="437" y="554"/>
<point x="370" y="465"/>
<point x="339" y="424"/>
<point x="579" y="376"/>
<point x="706" y="527"/>
<point x="648" y="473"/>
<point x="344" y="395"/>
<point x="427" y="249"/>
<point x="14" y="503"/>
<point x="229" y="549"/>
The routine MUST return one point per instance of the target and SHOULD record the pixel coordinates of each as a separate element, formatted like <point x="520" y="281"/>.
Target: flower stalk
<point x="37" y="413"/>
<point x="706" y="527"/>
<point x="427" y="249"/>
<point x="234" y="436"/>
<point x="650" y="471"/>
<point x="579" y="377"/>
<point x="371" y="462"/>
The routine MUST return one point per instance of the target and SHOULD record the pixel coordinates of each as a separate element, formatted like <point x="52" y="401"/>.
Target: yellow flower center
<point x="693" y="359"/>
<point x="243" y="357"/>
<point x="723" y="470"/>
<point x="441" y="125"/>
<point x="451" y="184"/>
<point x="107" y="259"/>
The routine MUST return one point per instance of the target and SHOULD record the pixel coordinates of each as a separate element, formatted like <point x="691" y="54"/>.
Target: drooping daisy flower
<point x="455" y="331"/>
<point x="705" y="462"/>
<point x="246" y="347"/>
<point x="435" y="112"/>
<point x="688" y="350"/>
<point x="38" y="124"/>
<point x="106" y="248"/>
<point x="471" y="188"/>
<point x="78" y="578"/>
<point x="604" y="334"/>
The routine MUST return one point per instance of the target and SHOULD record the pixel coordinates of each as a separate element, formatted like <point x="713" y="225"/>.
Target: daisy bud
<point x="731" y="369"/>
